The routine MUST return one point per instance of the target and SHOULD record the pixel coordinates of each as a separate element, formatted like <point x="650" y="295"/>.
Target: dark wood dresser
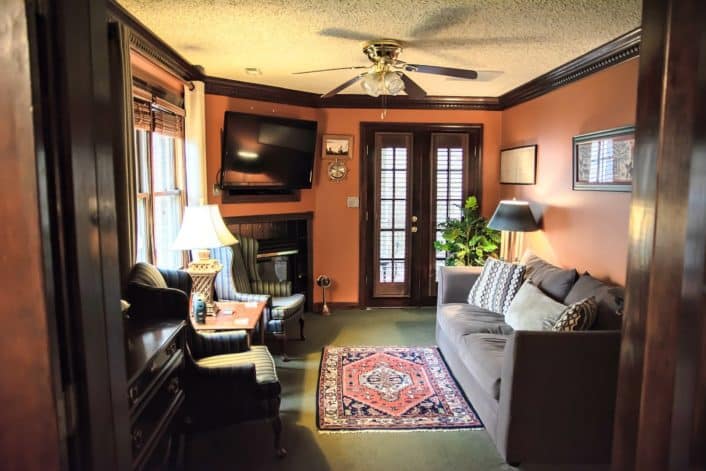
<point x="155" y="362"/>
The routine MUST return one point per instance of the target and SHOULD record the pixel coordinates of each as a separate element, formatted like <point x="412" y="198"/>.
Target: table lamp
<point x="202" y="228"/>
<point x="512" y="218"/>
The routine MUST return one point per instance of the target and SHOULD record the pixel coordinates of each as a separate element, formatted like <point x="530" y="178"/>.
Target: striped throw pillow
<point x="578" y="316"/>
<point x="497" y="285"/>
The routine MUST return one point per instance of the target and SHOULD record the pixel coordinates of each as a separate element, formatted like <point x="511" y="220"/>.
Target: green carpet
<point x="249" y="446"/>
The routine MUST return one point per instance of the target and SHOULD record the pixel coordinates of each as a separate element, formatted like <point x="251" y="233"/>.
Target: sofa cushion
<point x="496" y="285"/>
<point x="577" y="316"/>
<point x="552" y="280"/>
<point x="459" y="319"/>
<point x="532" y="309"/>
<point x="482" y="355"/>
<point x="609" y="298"/>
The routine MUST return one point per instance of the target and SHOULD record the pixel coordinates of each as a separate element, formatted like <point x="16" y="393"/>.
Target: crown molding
<point x="143" y="40"/>
<point x="618" y="50"/>
<point x="611" y="53"/>
<point x="252" y="91"/>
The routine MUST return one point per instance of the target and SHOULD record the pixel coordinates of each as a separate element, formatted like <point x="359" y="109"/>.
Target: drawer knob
<point x="138" y="439"/>
<point x="173" y="386"/>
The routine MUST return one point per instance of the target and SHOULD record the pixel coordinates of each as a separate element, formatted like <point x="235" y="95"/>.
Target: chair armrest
<point x="151" y="302"/>
<point x="557" y="396"/>
<point x="246" y="298"/>
<point x="206" y="344"/>
<point x="273" y="288"/>
<point x="455" y="283"/>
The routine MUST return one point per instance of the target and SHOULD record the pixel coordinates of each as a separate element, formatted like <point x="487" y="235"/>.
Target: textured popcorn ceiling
<point x="512" y="40"/>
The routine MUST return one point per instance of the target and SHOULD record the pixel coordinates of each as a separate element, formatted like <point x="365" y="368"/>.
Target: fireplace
<point x="285" y="247"/>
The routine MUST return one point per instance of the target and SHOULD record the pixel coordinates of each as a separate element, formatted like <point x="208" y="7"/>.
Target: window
<point x="160" y="179"/>
<point x="449" y="151"/>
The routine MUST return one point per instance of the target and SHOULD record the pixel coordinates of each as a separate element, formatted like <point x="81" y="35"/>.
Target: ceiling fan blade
<point x="444" y="19"/>
<point x="354" y="67"/>
<point x="454" y="43"/>
<point x="413" y="90"/>
<point x="483" y="76"/>
<point x="346" y="34"/>
<point x="448" y="71"/>
<point x="343" y="86"/>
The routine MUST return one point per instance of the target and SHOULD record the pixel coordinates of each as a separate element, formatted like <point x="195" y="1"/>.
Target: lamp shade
<point x="513" y="215"/>
<point x="203" y="228"/>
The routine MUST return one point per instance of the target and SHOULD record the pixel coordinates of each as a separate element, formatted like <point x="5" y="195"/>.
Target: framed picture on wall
<point x="518" y="165"/>
<point x="336" y="146"/>
<point x="603" y="160"/>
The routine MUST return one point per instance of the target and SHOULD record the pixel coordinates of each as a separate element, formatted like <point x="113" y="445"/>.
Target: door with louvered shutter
<point x="415" y="178"/>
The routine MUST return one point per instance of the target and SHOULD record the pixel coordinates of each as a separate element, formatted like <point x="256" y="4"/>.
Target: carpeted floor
<point x="249" y="446"/>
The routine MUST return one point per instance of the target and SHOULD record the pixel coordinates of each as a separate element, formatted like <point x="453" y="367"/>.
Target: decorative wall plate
<point x="337" y="171"/>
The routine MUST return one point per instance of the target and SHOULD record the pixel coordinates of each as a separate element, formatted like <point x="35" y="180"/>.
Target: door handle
<point x="414" y="229"/>
<point x="415" y="219"/>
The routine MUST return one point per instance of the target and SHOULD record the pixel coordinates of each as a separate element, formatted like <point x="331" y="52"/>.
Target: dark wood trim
<point x="659" y="419"/>
<point x="472" y="179"/>
<point x="228" y="197"/>
<point x="142" y="39"/>
<point x="611" y="53"/>
<point x="614" y="52"/>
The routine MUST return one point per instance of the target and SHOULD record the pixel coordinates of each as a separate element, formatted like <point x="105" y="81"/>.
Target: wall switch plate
<point x="352" y="202"/>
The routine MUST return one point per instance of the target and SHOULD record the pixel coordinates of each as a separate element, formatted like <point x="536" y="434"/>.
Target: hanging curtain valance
<point x="158" y="116"/>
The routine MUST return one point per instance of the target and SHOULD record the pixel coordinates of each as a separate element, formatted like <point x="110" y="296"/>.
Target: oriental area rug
<point x="390" y="388"/>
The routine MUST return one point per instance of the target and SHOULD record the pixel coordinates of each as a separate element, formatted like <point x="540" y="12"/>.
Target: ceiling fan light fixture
<point x="393" y="83"/>
<point x="373" y="84"/>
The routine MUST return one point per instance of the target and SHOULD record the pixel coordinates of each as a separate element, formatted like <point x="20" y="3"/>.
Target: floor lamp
<point x="513" y="218"/>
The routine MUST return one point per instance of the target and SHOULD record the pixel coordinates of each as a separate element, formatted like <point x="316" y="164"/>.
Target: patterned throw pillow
<point x="496" y="286"/>
<point x="578" y="316"/>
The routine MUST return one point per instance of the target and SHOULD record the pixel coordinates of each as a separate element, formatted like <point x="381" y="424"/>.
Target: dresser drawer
<point x="156" y="367"/>
<point x="154" y="419"/>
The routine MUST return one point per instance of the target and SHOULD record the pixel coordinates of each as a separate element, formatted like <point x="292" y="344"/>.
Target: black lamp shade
<point x="512" y="215"/>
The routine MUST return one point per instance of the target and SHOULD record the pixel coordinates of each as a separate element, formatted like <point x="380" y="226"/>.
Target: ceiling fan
<point x="388" y="74"/>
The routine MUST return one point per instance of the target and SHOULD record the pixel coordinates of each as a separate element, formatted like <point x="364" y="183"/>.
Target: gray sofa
<point x="543" y="396"/>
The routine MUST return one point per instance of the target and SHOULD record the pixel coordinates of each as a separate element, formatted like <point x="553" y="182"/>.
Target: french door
<point x="414" y="177"/>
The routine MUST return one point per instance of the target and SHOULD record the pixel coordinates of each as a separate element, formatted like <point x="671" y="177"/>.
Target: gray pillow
<point x="609" y="298"/>
<point x="532" y="310"/>
<point x="552" y="280"/>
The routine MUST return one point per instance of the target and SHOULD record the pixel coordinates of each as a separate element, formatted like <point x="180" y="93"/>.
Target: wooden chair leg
<point x="283" y="345"/>
<point x="301" y="328"/>
<point x="277" y="429"/>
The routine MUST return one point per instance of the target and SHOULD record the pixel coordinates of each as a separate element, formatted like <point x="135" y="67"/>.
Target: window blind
<point x="143" y="115"/>
<point x="157" y="117"/>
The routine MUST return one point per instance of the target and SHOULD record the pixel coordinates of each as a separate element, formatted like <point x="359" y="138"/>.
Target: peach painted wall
<point x="583" y="229"/>
<point x="336" y="226"/>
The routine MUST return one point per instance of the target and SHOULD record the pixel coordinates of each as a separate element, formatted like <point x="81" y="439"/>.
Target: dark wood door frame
<point x="660" y="418"/>
<point x="473" y="178"/>
<point x="74" y="156"/>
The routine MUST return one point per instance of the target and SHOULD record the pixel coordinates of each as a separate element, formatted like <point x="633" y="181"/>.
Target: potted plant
<point x="468" y="241"/>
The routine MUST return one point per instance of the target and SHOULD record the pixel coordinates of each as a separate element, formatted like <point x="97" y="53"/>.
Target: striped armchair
<point x="240" y="281"/>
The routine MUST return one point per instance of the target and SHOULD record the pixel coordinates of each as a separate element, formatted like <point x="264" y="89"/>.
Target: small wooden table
<point x="243" y="316"/>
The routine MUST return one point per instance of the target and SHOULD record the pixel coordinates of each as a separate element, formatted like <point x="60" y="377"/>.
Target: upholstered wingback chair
<point x="226" y="380"/>
<point x="240" y="281"/>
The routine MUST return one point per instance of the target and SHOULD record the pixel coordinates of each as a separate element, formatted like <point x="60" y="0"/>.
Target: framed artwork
<point x="603" y="160"/>
<point x="518" y="165"/>
<point x="336" y="146"/>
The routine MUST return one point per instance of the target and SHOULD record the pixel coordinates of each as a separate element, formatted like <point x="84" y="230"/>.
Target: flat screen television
<point x="267" y="153"/>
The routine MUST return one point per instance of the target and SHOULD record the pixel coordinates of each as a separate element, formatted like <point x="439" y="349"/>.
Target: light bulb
<point x="393" y="83"/>
<point x="372" y="84"/>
